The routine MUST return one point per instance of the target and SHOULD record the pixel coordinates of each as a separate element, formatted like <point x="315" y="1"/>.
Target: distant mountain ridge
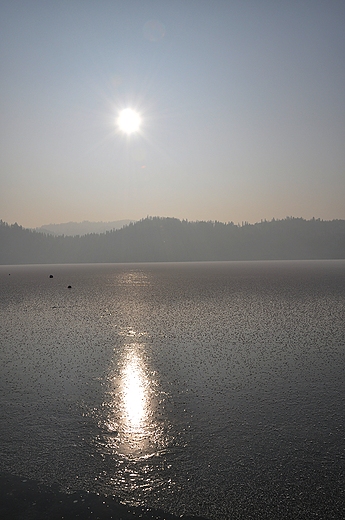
<point x="82" y="228"/>
<point x="157" y="239"/>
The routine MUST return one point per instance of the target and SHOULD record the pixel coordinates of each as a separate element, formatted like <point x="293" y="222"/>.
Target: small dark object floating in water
<point x="69" y="287"/>
<point x="51" y="276"/>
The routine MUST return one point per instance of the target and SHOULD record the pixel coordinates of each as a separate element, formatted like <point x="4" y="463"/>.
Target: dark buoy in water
<point x="69" y="287"/>
<point x="51" y="276"/>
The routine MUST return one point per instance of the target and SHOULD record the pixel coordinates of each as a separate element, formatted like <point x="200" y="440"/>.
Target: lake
<point x="210" y="389"/>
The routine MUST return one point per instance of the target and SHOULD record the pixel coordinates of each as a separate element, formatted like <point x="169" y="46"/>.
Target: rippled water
<point x="214" y="389"/>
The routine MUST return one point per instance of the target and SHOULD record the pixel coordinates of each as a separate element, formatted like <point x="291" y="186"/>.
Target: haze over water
<point x="206" y="388"/>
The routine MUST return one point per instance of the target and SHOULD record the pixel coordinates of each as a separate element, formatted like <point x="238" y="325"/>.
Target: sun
<point x="129" y="121"/>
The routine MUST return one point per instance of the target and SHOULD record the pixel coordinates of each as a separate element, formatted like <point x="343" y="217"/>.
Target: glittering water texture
<point x="214" y="389"/>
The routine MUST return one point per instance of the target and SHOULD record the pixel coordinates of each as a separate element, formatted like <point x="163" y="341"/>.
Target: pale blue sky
<point x="242" y="102"/>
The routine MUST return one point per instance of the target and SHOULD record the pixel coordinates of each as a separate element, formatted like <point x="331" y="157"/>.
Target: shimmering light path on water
<point x="209" y="389"/>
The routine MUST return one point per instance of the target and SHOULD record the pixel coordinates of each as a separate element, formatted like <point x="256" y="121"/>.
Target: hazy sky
<point x="242" y="105"/>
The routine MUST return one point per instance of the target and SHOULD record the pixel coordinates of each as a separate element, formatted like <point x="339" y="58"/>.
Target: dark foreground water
<point x="210" y="389"/>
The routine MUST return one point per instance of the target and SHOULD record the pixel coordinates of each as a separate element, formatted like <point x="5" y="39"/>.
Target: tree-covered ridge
<point x="156" y="239"/>
<point x="82" y="228"/>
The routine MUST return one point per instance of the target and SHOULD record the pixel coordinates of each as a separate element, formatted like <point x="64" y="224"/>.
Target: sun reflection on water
<point x="134" y="393"/>
<point x="134" y="425"/>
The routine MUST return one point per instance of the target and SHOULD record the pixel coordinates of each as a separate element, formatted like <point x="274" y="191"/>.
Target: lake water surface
<point x="214" y="389"/>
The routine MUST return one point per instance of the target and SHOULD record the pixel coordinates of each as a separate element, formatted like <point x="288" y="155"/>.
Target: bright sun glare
<point x="129" y="121"/>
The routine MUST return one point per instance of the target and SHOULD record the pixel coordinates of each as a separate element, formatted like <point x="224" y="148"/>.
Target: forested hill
<point x="156" y="239"/>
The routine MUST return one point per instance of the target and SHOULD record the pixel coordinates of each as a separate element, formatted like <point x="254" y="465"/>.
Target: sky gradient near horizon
<point x="242" y="105"/>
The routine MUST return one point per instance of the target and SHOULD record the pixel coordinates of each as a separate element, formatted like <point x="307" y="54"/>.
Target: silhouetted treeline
<point x="156" y="239"/>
